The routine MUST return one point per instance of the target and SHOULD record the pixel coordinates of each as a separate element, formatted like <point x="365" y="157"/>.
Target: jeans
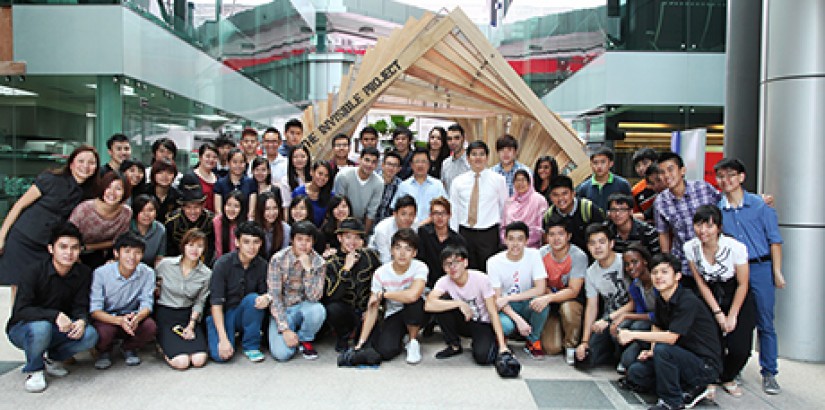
<point x="670" y="368"/>
<point x="41" y="336"/>
<point x="763" y="292"/>
<point x="535" y="319"/>
<point x="631" y="352"/>
<point x="305" y="319"/>
<point x="243" y="318"/>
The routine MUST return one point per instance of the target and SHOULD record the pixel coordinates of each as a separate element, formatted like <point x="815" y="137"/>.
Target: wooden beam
<point x="12" y="68"/>
<point x="6" y="34"/>
<point x="429" y="110"/>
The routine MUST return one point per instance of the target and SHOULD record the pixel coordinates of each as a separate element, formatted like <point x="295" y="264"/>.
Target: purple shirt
<point x="675" y="215"/>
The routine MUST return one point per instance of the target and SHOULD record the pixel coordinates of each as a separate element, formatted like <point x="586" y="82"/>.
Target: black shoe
<point x="626" y="384"/>
<point x="449" y="351"/>
<point x="695" y="395"/>
<point x="341" y="344"/>
<point x="662" y="405"/>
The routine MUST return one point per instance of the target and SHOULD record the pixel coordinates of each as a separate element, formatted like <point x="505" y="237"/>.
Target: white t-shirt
<point x="730" y="253"/>
<point x="473" y="293"/>
<point x="385" y="279"/>
<point x="515" y="277"/>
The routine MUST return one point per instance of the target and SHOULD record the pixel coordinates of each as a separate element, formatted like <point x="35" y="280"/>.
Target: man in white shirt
<point x="403" y="217"/>
<point x="478" y="198"/>
<point x="518" y="276"/>
<point x="456" y="164"/>
<point x="277" y="162"/>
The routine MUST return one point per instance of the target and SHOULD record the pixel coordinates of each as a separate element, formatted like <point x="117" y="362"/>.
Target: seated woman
<point x="318" y="190"/>
<point x="134" y="172"/>
<point x="719" y="265"/>
<point x="299" y="209"/>
<point x="184" y="286"/>
<point x="268" y="214"/>
<point x="348" y="278"/>
<point x="224" y="223"/>
<point x="526" y="205"/>
<point x="144" y="225"/>
<point x="262" y="174"/>
<point x="340" y="208"/>
<point x="103" y="219"/>
<point x="639" y="313"/>
<point x="160" y="187"/>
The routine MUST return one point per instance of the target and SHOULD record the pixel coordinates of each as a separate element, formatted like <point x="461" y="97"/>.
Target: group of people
<point x="262" y="245"/>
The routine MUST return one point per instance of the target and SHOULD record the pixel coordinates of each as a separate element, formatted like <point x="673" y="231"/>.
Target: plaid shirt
<point x="385" y="207"/>
<point x="509" y="175"/>
<point x="675" y="215"/>
<point x="290" y="284"/>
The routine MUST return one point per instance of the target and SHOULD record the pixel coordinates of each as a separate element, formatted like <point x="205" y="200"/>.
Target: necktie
<point x="473" y="214"/>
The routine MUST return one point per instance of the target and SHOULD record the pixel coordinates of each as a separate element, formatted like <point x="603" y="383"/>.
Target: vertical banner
<point x="691" y="145"/>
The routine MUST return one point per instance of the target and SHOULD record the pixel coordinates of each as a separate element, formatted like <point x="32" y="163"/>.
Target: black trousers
<point x="390" y="334"/>
<point x="737" y="345"/>
<point x="453" y="326"/>
<point x="342" y="318"/>
<point x="481" y="245"/>
<point x="671" y="371"/>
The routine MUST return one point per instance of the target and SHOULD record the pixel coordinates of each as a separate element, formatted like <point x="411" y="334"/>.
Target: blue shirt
<point x="754" y="223"/>
<point x="116" y="295"/>
<point x="422" y="193"/>
<point x="246" y="185"/>
<point x="511" y="174"/>
<point x="319" y="211"/>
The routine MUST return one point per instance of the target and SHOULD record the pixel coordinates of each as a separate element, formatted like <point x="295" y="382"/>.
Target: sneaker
<point x="254" y="356"/>
<point x="132" y="358"/>
<point x="413" y="352"/>
<point x="697" y="394"/>
<point x="308" y="350"/>
<point x="449" y="351"/>
<point x="662" y="405"/>
<point x="534" y="350"/>
<point x="55" y="368"/>
<point x="770" y="385"/>
<point x="570" y="355"/>
<point x="621" y="369"/>
<point x="104" y="361"/>
<point x="36" y="382"/>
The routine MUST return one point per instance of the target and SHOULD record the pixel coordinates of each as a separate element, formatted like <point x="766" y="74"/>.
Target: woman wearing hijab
<point x="525" y="205"/>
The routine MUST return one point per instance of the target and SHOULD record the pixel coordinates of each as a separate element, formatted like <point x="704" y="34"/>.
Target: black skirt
<point x="20" y="252"/>
<point x="172" y="344"/>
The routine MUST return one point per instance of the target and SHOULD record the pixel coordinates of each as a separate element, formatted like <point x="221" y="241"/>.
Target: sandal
<point x="733" y="389"/>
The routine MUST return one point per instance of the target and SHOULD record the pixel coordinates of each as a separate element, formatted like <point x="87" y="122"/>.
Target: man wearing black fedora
<point x="190" y="215"/>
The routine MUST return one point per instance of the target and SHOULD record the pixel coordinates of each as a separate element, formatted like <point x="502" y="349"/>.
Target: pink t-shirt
<point x="94" y="227"/>
<point x="473" y="292"/>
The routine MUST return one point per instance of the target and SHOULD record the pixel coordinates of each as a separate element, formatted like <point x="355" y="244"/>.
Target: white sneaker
<point x="36" y="382"/>
<point x="55" y="368"/>
<point x="413" y="352"/>
<point x="570" y="355"/>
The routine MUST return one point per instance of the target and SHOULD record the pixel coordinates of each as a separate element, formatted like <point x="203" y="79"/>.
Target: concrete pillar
<point x="742" y="84"/>
<point x="792" y="85"/>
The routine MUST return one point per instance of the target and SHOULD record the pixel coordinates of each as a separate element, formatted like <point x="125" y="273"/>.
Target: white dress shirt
<point x="492" y="193"/>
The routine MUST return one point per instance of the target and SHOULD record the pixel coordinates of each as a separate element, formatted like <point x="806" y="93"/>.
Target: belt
<point x="763" y="258"/>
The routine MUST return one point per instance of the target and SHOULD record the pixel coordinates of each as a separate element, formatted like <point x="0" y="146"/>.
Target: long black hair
<point x="292" y="174"/>
<point x="277" y="227"/>
<point x="330" y="224"/>
<point x="325" y="192"/>
<point x="445" y="149"/>
<point x="554" y="171"/>
<point x="226" y="224"/>
<point x="258" y="161"/>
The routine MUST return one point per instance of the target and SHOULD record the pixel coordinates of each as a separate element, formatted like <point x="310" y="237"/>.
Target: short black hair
<point x="506" y="141"/>
<point x="392" y="154"/>
<point x="249" y="228"/>
<point x="368" y="130"/>
<point x="556" y="220"/>
<point x="139" y="202"/>
<point x="478" y="144"/>
<point x="421" y="151"/>
<point x="340" y="136"/>
<point x="732" y="164"/>
<point x="405" y="201"/>
<point x="304" y="227"/>
<point x="708" y="213"/>
<point x="273" y="130"/>
<point x="129" y="163"/>
<point x="653" y="169"/>
<point x="65" y="229"/>
<point x="597" y="228"/>
<point x="402" y="131"/>
<point x="454" y="250"/>
<point x="643" y="154"/>
<point x="607" y="152"/>
<point x="641" y="250"/>
<point x="670" y="155"/>
<point x="667" y="258"/>
<point x="167" y="143"/>
<point x="517" y="226"/>
<point x="370" y="151"/>
<point x="406" y="235"/>
<point x="293" y="123"/>
<point x="224" y="140"/>
<point x="129" y="240"/>
<point x="116" y="138"/>
<point x="456" y="127"/>
<point x="620" y="198"/>
<point x="561" y="181"/>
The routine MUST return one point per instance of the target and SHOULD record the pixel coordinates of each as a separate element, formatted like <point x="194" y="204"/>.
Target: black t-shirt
<point x="230" y="282"/>
<point x="43" y="293"/>
<point x="685" y="315"/>
<point x="429" y="250"/>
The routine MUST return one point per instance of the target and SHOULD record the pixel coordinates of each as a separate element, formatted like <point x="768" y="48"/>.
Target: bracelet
<point x="716" y="312"/>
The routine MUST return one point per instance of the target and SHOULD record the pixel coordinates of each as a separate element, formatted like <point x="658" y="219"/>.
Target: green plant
<point x="384" y="128"/>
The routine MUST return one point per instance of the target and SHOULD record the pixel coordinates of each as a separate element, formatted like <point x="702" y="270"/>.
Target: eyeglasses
<point x="341" y="145"/>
